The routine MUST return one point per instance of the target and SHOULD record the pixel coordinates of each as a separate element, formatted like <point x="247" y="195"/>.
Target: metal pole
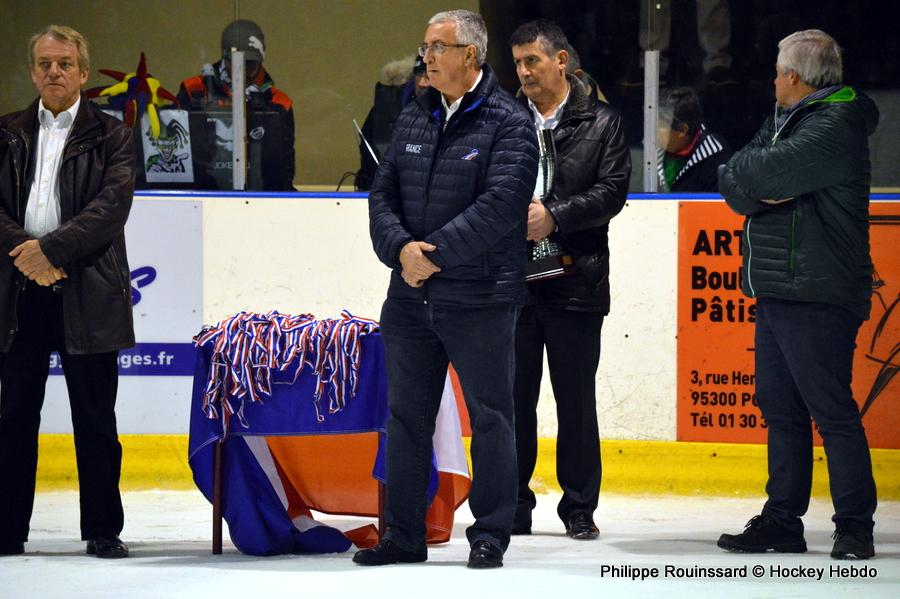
<point x="651" y="120"/>
<point x="238" y="120"/>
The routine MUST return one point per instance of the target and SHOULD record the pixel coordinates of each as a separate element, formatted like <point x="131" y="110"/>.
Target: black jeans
<point x="804" y="358"/>
<point x="92" y="382"/>
<point x="419" y="340"/>
<point x="573" y="353"/>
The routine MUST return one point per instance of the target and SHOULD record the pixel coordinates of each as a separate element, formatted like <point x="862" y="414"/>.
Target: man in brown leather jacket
<point x="66" y="184"/>
<point x="566" y="314"/>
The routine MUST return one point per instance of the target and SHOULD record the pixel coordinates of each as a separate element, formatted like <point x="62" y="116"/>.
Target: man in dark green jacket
<point x="803" y="184"/>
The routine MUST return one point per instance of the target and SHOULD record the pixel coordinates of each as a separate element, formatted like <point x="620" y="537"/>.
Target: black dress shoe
<point x="387" y="552"/>
<point x="581" y="527"/>
<point x="485" y="555"/>
<point x="107" y="548"/>
<point x="521" y="529"/>
<point x="12" y="548"/>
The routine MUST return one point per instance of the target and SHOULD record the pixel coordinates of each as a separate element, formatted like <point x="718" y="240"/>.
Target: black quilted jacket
<point x="465" y="189"/>
<point x="815" y="246"/>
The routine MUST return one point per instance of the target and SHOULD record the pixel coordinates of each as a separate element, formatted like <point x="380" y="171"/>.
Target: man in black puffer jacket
<point x="803" y="183"/>
<point x="566" y="314"/>
<point x="447" y="214"/>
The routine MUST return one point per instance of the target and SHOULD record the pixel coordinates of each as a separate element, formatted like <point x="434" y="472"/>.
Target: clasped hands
<point x="416" y="266"/>
<point x="31" y="261"/>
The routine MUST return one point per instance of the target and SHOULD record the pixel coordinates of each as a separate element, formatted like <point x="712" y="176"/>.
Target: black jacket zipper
<point x="20" y="217"/>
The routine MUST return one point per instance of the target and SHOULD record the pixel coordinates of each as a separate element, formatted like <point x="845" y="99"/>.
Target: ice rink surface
<point x="169" y="536"/>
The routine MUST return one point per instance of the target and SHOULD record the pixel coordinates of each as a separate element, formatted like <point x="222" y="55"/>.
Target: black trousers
<point x="572" y="340"/>
<point x="419" y="340"/>
<point x="804" y="361"/>
<point x="92" y="382"/>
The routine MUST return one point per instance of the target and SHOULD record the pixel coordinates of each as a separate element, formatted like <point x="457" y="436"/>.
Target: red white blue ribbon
<point x="247" y="347"/>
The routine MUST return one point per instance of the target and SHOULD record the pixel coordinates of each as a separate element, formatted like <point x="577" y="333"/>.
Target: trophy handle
<point x="547" y="148"/>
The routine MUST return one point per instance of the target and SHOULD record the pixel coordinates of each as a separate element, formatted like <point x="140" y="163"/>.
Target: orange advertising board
<point x="715" y="370"/>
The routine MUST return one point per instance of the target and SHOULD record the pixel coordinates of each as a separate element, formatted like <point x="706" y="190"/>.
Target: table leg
<point x="217" y="499"/>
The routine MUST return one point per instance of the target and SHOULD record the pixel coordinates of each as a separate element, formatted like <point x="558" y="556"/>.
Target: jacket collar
<point x="85" y="120"/>
<point x="431" y="103"/>
<point x="579" y="103"/>
<point x="783" y="114"/>
<point x="261" y="83"/>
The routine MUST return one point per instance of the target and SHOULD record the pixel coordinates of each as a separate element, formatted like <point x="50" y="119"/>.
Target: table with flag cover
<point x="286" y="456"/>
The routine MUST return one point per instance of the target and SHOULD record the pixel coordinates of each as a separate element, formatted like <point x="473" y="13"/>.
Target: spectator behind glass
<point x="573" y="67"/>
<point x="211" y="89"/>
<point x="713" y="33"/>
<point x="400" y="82"/>
<point x="689" y="153"/>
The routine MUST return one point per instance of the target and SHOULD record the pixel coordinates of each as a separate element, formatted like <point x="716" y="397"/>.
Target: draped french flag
<point x="286" y="457"/>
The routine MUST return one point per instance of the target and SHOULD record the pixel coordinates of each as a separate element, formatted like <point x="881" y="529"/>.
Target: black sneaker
<point x="762" y="534"/>
<point x="485" y="554"/>
<point x="107" y="548"/>
<point x="852" y="543"/>
<point x="387" y="552"/>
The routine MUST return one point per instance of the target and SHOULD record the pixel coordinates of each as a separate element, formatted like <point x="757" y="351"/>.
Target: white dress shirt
<point x="42" y="213"/>
<point x="452" y="108"/>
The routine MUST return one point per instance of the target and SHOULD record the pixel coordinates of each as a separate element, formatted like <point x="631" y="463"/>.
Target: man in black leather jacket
<point x="566" y="314"/>
<point x="803" y="185"/>
<point x="66" y="185"/>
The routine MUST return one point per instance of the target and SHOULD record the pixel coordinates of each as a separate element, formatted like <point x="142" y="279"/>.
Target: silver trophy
<point x="547" y="259"/>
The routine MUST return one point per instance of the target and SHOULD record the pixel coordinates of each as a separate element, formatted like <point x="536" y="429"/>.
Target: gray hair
<point x="61" y="33"/>
<point x="470" y="30"/>
<point x="813" y="55"/>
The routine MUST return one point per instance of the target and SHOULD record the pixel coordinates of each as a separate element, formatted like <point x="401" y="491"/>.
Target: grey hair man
<point x="66" y="185"/>
<point x="447" y="214"/>
<point x="803" y="185"/>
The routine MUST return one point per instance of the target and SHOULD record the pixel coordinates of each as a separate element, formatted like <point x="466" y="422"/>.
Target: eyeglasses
<point x="438" y="48"/>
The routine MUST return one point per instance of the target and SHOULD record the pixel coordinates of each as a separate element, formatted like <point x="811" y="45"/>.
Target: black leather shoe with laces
<point x="485" y="554"/>
<point x="387" y="552"/>
<point x="107" y="548"/>
<point x="852" y="543"/>
<point x="762" y="534"/>
<point x="581" y="527"/>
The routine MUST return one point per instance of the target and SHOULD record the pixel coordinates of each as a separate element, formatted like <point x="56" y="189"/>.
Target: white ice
<point x="169" y="536"/>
